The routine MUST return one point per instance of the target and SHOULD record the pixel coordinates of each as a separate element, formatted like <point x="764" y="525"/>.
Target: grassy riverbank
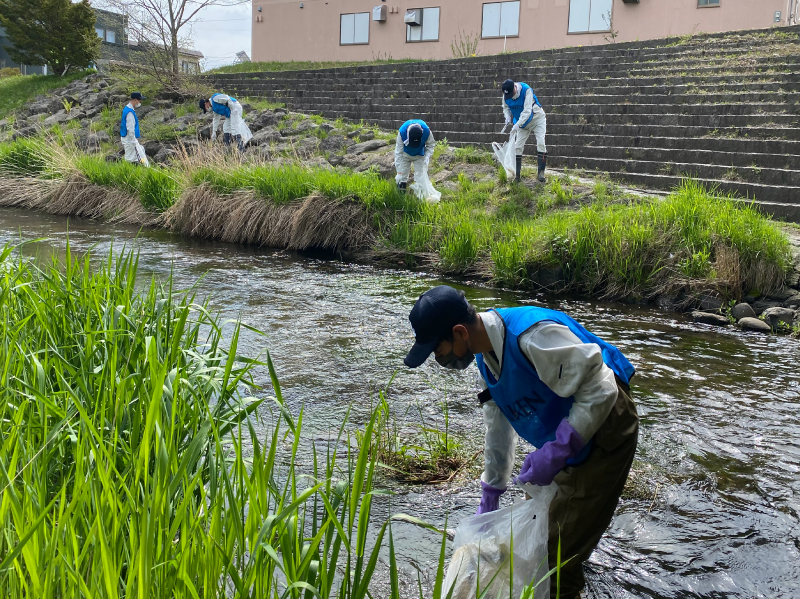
<point x="129" y="459"/>
<point x="566" y="235"/>
<point x="15" y="92"/>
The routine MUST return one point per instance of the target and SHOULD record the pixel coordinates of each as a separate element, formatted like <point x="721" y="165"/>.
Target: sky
<point x="219" y="32"/>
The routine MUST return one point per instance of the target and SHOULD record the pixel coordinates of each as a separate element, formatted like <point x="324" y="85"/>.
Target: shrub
<point x="9" y="72"/>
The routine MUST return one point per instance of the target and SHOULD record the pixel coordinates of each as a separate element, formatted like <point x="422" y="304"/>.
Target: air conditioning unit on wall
<point x="630" y="1"/>
<point x="413" y="17"/>
<point x="379" y="13"/>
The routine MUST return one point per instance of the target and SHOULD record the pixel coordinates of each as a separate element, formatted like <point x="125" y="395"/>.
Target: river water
<point x="715" y="511"/>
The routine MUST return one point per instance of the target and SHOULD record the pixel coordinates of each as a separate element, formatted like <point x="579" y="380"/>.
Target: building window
<point x="111" y="37"/>
<point x="500" y="19"/>
<point x="701" y="3"/>
<point x="587" y="16"/>
<point x="428" y="31"/>
<point x="101" y="33"/>
<point x="354" y="29"/>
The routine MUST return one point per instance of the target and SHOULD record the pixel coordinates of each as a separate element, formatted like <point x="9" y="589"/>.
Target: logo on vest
<point x="522" y="408"/>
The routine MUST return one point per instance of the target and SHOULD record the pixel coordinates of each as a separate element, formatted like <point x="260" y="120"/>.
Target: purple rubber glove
<point x="490" y="499"/>
<point x="542" y="465"/>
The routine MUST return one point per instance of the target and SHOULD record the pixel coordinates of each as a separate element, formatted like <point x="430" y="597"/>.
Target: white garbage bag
<point x="141" y="153"/>
<point x="482" y="548"/>
<point x="507" y="155"/>
<point x="244" y="131"/>
<point x="423" y="188"/>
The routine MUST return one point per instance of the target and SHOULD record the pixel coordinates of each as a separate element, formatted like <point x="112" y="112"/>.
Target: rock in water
<point x="775" y="316"/>
<point x="754" y="324"/>
<point x="708" y="318"/>
<point x="743" y="310"/>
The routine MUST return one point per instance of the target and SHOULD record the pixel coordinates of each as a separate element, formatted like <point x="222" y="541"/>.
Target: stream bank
<point x="306" y="183"/>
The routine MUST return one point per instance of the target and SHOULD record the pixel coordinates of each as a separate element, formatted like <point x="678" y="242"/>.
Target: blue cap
<point x="433" y="317"/>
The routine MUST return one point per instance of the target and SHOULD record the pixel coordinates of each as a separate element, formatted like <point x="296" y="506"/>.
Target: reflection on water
<point x="720" y="409"/>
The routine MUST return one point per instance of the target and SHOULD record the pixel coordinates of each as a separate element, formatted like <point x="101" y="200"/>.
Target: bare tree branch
<point x="163" y="22"/>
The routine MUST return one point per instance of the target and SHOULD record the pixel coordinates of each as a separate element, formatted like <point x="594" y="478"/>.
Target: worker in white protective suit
<point x="547" y="379"/>
<point x="229" y="110"/>
<point x="415" y="146"/>
<point x="521" y="107"/>
<point x="129" y="132"/>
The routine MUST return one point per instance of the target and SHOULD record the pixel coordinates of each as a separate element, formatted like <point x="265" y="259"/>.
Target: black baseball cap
<point x="202" y="104"/>
<point x="508" y="89"/>
<point x="415" y="135"/>
<point x="433" y="317"/>
<point x="137" y="96"/>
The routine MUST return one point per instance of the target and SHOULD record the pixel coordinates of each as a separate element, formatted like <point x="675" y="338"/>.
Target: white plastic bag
<point x="142" y="156"/>
<point x="423" y="188"/>
<point x="482" y="547"/>
<point x="244" y="131"/>
<point x="507" y="155"/>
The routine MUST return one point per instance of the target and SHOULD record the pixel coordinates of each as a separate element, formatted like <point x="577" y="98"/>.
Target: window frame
<point x="717" y="4"/>
<point x="438" y="26"/>
<point x="97" y="31"/>
<point x="344" y="14"/>
<point x="590" y="31"/>
<point x="500" y="37"/>
<point x="112" y="32"/>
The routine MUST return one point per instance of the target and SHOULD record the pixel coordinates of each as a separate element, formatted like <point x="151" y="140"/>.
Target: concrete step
<point x="587" y="107"/>
<point x="742" y="146"/>
<point x="463" y="135"/>
<point x="735" y="175"/>
<point x="758" y="163"/>
<point x="656" y="58"/>
<point x="708" y="74"/>
<point x="784" y="125"/>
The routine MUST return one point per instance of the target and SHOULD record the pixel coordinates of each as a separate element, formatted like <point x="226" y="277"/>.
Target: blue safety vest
<point x="532" y="408"/>
<point x="518" y="105"/>
<point x="123" y="128"/>
<point x="221" y="109"/>
<point x="426" y="133"/>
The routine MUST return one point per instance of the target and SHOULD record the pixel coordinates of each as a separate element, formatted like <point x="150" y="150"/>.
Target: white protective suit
<point x="538" y="126"/>
<point x="403" y="162"/>
<point x="553" y="350"/>
<point x="134" y="151"/>
<point x="234" y="125"/>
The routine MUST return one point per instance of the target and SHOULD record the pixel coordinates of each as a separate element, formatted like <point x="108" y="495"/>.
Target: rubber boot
<point x="226" y="138"/>
<point x="401" y="187"/>
<point x="542" y="160"/>
<point x="519" y="170"/>
<point x="239" y="143"/>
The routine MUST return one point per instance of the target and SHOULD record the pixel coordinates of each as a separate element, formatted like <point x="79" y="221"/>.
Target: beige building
<point x="342" y="30"/>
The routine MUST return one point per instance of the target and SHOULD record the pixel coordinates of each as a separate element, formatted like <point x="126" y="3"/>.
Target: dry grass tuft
<point x="75" y="196"/>
<point x="242" y="217"/>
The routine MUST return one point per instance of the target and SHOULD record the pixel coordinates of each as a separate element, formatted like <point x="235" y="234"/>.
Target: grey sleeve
<point x="571" y="368"/>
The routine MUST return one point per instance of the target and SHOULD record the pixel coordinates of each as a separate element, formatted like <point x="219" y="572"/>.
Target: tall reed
<point x="130" y="463"/>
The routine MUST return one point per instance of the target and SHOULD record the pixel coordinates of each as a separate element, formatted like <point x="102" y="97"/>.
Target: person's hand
<point x="508" y="121"/>
<point x="541" y="466"/>
<point x="213" y="136"/>
<point x="515" y="128"/>
<point x="490" y="499"/>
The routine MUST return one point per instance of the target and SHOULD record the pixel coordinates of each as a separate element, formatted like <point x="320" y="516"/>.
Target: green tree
<point x="57" y="33"/>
